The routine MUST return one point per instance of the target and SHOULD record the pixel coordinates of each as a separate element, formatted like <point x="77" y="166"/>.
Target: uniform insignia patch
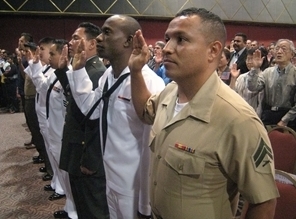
<point x="262" y="157"/>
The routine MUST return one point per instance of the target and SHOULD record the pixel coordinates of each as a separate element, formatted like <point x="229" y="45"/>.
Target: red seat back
<point x="285" y="207"/>
<point x="283" y="143"/>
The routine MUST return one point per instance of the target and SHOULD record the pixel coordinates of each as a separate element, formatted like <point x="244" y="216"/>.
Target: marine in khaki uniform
<point x="207" y="143"/>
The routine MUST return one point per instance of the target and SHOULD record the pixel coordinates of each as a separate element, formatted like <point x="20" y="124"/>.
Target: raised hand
<point x="29" y="55"/>
<point x="257" y="59"/>
<point x="79" y="59"/>
<point x="234" y="71"/>
<point x="18" y="53"/>
<point x="36" y="56"/>
<point x="140" y="53"/>
<point x="63" y="61"/>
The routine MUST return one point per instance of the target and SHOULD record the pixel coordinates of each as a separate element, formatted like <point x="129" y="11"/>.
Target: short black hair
<point x="46" y="40"/>
<point x="91" y="30"/>
<point x="244" y="36"/>
<point x="31" y="45"/>
<point x="213" y="28"/>
<point x="60" y="44"/>
<point x="28" y="37"/>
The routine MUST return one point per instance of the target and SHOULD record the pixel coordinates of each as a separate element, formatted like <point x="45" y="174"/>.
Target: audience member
<point x="223" y="69"/>
<point x="248" y="44"/>
<point x="188" y="178"/>
<point x="4" y="68"/>
<point x="10" y="74"/>
<point x="156" y="62"/>
<point x="255" y="45"/>
<point x="161" y="73"/>
<point x="240" y="83"/>
<point x="240" y="54"/>
<point x="278" y="84"/>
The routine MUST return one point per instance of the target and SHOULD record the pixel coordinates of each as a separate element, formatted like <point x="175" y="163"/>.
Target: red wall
<point x="63" y="27"/>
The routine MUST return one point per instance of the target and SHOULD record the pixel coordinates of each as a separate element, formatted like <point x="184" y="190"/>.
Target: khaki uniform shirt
<point x="29" y="87"/>
<point x="215" y="146"/>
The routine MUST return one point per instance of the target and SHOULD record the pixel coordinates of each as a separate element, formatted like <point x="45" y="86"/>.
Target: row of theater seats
<point x="283" y="142"/>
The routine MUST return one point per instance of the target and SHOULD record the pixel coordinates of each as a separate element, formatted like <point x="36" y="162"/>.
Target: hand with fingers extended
<point x="36" y="56"/>
<point x="79" y="59"/>
<point x="257" y="59"/>
<point x="29" y="55"/>
<point x="234" y="71"/>
<point x="140" y="54"/>
<point x="63" y="61"/>
<point x="18" y="56"/>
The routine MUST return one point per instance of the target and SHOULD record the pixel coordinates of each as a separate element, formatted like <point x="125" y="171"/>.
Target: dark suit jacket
<point x="241" y="62"/>
<point x="73" y="143"/>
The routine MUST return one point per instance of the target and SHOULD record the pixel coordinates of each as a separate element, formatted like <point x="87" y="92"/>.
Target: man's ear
<point x="129" y="41"/>
<point x="215" y="49"/>
<point x="93" y="44"/>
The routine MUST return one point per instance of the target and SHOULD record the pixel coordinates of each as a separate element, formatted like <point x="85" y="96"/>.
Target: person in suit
<point x="240" y="53"/>
<point x="86" y="173"/>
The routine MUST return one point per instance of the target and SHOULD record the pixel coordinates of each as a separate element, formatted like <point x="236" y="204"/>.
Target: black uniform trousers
<point x="33" y="125"/>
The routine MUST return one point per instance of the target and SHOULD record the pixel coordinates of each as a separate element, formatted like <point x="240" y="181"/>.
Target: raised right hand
<point x="140" y="53"/>
<point x="79" y="59"/>
<point x="257" y="59"/>
<point x="63" y="61"/>
<point x="234" y="71"/>
<point x="36" y="56"/>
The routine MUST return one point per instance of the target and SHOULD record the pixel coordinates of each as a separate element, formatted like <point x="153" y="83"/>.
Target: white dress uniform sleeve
<point x="81" y="88"/>
<point x="40" y="81"/>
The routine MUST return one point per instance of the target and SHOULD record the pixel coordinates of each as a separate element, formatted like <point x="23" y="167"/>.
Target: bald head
<point x="127" y="24"/>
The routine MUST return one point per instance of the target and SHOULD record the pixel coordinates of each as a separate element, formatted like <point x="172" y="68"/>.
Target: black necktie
<point x="46" y="69"/>
<point x="106" y="96"/>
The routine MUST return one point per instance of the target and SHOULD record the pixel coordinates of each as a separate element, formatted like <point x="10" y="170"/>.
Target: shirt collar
<point x="241" y="51"/>
<point x="286" y="69"/>
<point x="200" y="107"/>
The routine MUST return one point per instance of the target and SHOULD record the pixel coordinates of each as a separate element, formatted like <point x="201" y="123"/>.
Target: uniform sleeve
<point x="249" y="159"/>
<point x="40" y="81"/>
<point x="81" y="88"/>
<point x="155" y="85"/>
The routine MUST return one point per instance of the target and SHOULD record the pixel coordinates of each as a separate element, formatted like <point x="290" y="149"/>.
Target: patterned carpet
<point x="21" y="187"/>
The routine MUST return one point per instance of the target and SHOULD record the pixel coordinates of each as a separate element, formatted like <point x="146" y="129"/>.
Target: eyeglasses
<point x="284" y="49"/>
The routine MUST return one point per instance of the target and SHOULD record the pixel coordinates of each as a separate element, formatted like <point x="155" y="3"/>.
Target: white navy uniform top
<point x="41" y="94"/>
<point x="57" y="109"/>
<point x="126" y="156"/>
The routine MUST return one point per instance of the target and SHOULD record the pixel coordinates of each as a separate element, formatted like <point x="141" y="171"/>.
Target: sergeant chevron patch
<point x="262" y="157"/>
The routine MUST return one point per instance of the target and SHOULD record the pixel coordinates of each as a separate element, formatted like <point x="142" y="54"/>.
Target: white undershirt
<point x="179" y="107"/>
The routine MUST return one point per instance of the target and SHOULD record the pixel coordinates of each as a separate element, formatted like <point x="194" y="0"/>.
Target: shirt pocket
<point x="186" y="170"/>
